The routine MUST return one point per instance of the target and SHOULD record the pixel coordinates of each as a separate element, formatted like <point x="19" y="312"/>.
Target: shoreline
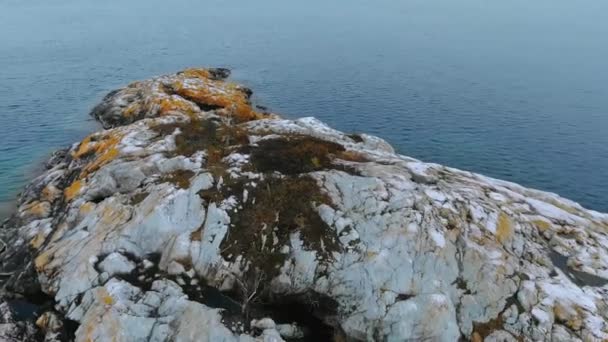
<point x="192" y="203"/>
<point x="8" y="207"/>
<point x="33" y="170"/>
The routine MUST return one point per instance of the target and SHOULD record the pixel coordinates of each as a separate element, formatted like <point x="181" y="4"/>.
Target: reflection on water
<point x="513" y="89"/>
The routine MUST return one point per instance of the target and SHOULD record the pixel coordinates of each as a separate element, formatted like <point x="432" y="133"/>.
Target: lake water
<point x="513" y="89"/>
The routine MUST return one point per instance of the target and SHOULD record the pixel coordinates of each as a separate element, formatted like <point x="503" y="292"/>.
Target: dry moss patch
<point x="204" y="135"/>
<point x="276" y="208"/>
<point x="181" y="178"/>
<point x="483" y="330"/>
<point x="295" y="154"/>
<point x="139" y="197"/>
<point x="355" y="137"/>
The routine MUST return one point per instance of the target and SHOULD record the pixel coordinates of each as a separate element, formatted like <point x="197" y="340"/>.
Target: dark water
<point x="514" y="89"/>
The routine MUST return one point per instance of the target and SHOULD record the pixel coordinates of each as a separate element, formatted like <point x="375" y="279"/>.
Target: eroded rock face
<point x="194" y="217"/>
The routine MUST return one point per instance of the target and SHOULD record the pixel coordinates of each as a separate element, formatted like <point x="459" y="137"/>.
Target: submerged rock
<point x="194" y="217"/>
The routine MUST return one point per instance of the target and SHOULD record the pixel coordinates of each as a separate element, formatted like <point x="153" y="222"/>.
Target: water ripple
<point x="443" y="81"/>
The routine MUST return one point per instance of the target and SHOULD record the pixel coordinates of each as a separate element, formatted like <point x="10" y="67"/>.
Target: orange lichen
<point x="84" y="148"/>
<point x="187" y="92"/>
<point x="45" y="321"/>
<point x="114" y="215"/>
<point x="542" y="225"/>
<point x="59" y="232"/>
<point x="175" y="104"/>
<point x="38" y="240"/>
<point x="106" y="157"/>
<point x="570" y="315"/>
<point x="86" y="208"/>
<point x="353" y="156"/>
<point x="131" y="110"/>
<point x="74" y="189"/>
<point x="104" y="148"/>
<point x="108" y="300"/>
<point x="40" y="208"/>
<point x="37" y="209"/>
<point x="371" y="255"/>
<point x="196" y="73"/>
<point x="217" y="94"/>
<point x="565" y="207"/>
<point x="162" y="104"/>
<point x="476" y="337"/>
<point x="42" y="260"/>
<point x="243" y="112"/>
<point x="50" y="193"/>
<point x="89" y="333"/>
<point x="504" y="228"/>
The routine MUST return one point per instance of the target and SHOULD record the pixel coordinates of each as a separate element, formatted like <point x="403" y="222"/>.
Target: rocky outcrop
<point x="195" y="217"/>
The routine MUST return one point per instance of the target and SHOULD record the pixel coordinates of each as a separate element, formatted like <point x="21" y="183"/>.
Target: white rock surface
<point x="380" y="246"/>
<point x="116" y="264"/>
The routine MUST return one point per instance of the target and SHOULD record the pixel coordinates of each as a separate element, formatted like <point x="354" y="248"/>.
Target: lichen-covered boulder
<point x="195" y="217"/>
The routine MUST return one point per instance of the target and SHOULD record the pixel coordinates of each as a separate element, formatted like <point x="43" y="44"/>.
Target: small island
<point x="195" y="216"/>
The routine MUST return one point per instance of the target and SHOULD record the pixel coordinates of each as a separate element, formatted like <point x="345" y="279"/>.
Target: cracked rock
<point x="195" y="217"/>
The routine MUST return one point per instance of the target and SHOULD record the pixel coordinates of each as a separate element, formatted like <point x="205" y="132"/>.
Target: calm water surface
<point x="514" y="89"/>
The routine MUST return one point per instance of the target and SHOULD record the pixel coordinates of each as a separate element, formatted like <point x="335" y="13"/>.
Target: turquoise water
<point x="513" y="89"/>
